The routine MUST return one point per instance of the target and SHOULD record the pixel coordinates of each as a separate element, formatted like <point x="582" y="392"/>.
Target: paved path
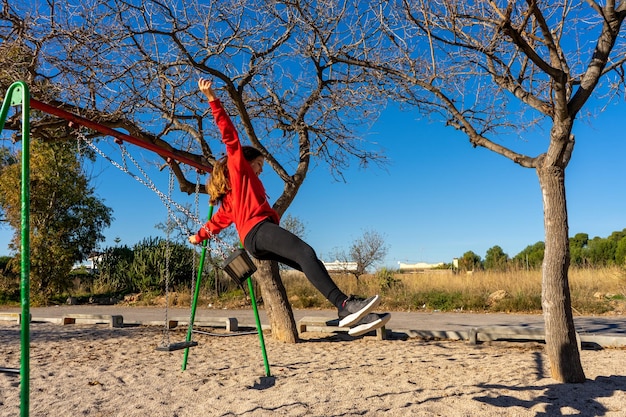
<point x="419" y="321"/>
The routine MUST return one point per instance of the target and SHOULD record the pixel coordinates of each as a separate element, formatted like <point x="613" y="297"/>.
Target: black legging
<point x="269" y="241"/>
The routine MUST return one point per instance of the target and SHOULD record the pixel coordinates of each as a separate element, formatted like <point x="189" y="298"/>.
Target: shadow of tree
<point x="600" y="325"/>
<point x="283" y="409"/>
<point x="561" y="399"/>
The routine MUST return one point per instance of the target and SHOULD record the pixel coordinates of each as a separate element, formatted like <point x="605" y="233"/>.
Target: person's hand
<point x="206" y="88"/>
<point x="193" y="239"/>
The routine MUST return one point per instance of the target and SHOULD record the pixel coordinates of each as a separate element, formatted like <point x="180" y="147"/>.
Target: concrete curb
<point x="231" y="324"/>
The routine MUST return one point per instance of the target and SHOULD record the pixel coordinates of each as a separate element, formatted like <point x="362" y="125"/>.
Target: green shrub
<point x="387" y="280"/>
<point x="10" y="297"/>
<point x="518" y="303"/>
<point x="592" y="306"/>
<point x="440" y="300"/>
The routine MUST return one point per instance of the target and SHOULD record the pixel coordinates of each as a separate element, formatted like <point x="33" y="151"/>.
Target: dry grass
<point x="594" y="291"/>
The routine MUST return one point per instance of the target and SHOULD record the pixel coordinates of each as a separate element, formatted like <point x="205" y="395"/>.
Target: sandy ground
<point x="93" y="370"/>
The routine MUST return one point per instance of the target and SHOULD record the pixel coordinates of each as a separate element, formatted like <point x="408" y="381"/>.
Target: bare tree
<point x="134" y="66"/>
<point x="299" y="78"/>
<point x="490" y="68"/>
<point x="294" y="225"/>
<point x="366" y="251"/>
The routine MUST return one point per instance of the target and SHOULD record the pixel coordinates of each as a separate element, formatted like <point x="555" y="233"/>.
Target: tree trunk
<point x="561" y="345"/>
<point x="276" y="303"/>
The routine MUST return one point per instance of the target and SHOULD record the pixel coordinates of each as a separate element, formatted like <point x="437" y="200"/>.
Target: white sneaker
<point x="354" y="309"/>
<point x="368" y="323"/>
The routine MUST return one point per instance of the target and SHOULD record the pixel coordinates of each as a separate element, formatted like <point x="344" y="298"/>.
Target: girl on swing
<point x="235" y="184"/>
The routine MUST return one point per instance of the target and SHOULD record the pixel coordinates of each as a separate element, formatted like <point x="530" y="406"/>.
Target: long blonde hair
<point x="218" y="184"/>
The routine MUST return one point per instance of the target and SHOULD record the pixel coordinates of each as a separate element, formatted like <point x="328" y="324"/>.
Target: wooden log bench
<point x="491" y="333"/>
<point x="112" y="320"/>
<point x="325" y="324"/>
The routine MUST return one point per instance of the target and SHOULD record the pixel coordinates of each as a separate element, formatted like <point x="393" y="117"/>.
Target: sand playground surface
<point x="91" y="370"/>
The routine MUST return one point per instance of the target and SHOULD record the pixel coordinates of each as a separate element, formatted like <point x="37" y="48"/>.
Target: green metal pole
<point x="18" y="94"/>
<point x="196" y="294"/>
<point x="258" y="326"/>
<point x="25" y="268"/>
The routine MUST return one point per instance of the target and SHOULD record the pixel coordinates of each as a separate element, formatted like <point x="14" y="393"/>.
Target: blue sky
<point x="437" y="199"/>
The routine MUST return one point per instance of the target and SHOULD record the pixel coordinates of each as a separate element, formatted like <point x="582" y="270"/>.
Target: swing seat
<point x="176" y="346"/>
<point x="239" y="266"/>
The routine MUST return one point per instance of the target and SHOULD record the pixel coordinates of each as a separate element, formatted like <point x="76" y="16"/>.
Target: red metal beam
<point x="36" y="104"/>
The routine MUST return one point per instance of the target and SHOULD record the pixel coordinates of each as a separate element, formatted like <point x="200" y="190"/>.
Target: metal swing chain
<point x="168" y="253"/>
<point x="167" y="201"/>
<point x="221" y="248"/>
<point x="196" y="204"/>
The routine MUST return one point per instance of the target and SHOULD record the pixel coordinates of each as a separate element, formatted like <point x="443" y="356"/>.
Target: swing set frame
<point x="18" y="95"/>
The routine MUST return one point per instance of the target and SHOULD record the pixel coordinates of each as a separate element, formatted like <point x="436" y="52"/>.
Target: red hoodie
<point x="246" y="203"/>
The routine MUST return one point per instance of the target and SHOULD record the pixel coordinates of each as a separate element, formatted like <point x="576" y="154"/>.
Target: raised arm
<point x="223" y="122"/>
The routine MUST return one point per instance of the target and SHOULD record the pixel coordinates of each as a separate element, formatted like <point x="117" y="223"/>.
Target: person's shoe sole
<point x="355" y="317"/>
<point x="366" y="328"/>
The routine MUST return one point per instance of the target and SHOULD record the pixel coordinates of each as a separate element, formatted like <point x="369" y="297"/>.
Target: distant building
<point x="419" y="266"/>
<point x="339" y="266"/>
<point x="90" y="264"/>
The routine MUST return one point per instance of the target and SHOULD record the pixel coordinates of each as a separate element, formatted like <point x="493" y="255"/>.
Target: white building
<point x="339" y="266"/>
<point x="418" y="266"/>
<point x="90" y="264"/>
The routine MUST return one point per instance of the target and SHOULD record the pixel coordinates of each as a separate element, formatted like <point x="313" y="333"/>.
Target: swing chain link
<point x="168" y="255"/>
<point x="196" y="202"/>
<point x="221" y="248"/>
